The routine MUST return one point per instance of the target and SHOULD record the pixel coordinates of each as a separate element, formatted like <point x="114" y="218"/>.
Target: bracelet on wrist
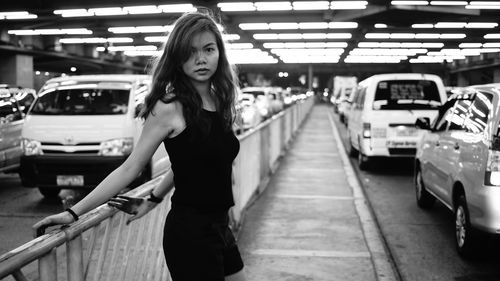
<point x="154" y="199"/>
<point x="72" y="213"/>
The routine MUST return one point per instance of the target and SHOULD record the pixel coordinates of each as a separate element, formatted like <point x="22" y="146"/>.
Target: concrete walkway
<point x="312" y="222"/>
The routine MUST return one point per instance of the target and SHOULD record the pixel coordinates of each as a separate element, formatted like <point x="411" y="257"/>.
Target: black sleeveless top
<point x="202" y="165"/>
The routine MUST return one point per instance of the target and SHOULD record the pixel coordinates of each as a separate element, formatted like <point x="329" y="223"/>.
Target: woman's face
<point x="204" y="58"/>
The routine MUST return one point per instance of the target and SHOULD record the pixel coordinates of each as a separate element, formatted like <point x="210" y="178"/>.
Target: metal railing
<point x="100" y="246"/>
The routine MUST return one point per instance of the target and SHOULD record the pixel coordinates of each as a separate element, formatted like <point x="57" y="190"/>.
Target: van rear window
<point x="82" y="102"/>
<point x="406" y="94"/>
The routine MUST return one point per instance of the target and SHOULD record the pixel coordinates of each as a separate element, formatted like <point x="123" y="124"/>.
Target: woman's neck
<point x="203" y="90"/>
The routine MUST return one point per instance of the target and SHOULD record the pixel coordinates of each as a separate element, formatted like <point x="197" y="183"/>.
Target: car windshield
<point x="255" y="93"/>
<point x="80" y="101"/>
<point x="406" y="94"/>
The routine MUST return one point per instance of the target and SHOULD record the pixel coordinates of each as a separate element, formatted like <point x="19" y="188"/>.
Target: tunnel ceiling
<point x="360" y="40"/>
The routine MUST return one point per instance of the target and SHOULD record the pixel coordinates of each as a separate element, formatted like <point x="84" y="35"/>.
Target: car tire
<point x="50" y="193"/>
<point x="467" y="239"/>
<point x="425" y="200"/>
<point x="353" y="152"/>
<point x="363" y="161"/>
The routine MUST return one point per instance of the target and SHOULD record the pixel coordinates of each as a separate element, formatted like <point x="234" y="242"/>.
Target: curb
<point x="382" y="260"/>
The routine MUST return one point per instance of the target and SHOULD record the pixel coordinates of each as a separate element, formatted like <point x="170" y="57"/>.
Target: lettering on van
<point x="406" y="91"/>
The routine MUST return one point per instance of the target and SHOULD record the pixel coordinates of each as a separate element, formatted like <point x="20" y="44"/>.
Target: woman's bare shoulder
<point x="168" y="115"/>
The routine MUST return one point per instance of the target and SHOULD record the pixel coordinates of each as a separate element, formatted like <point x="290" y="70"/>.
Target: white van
<point x="80" y="128"/>
<point x="384" y="110"/>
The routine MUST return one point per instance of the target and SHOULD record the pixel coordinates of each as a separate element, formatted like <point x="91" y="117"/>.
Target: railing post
<point x="47" y="266"/>
<point x="74" y="259"/>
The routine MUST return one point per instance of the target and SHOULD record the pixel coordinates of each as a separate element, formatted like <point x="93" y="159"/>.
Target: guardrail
<point x="100" y="246"/>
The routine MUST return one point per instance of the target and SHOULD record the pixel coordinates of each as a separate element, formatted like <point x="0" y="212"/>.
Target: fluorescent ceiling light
<point x="177" y="8"/>
<point x="95" y="40"/>
<point x="372" y="59"/>
<point x="311" y="5"/>
<point x="249" y="56"/>
<point x="481" y="25"/>
<point x="340" y="25"/>
<point x="377" y="35"/>
<point x="380" y="25"/>
<point x="348" y="5"/>
<point x="17" y="15"/>
<point x="389" y="45"/>
<point x="449" y="3"/>
<point x="152" y="39"/>
<point x="452" y="36"/>
<point x="470" y="45"/>
<point x="289" y="36"/>
<point x="239" y="46"/>
<point x="490" y="50"/>
<point x="484" y="3"/>
<point x="273" y="6"/>
<point x="310" y="59"/>
<point x="307" y="52"/>
<point x="236" y="6"/>
<point x="409" y="2"/>
<point x="283" y="25"/>
<point x="108" y="11"/>
<point x="314" y="36"/>
<point x="140" y="29"/>
<point x="491" y="45"/>
<point x="427" y="36"/>
<point x="265" y="36"/>
<point x="450" y="24"/>
<point x="149" y="9"/>
<point x="492" y="36"/>
<point x="281" y="45"/>
<point x="127" y="48"/>
<point x="402" y="35"/>
<point x="230" y="37"/>
<point x="50" y="31"/>
<point x="73" y="13"/>
<point x="142" y="53"/>
<point x="422" y="25"/>
<point x="313" y="25"/>
<point x="338" y="35"/>
<point x="254" y="26"/>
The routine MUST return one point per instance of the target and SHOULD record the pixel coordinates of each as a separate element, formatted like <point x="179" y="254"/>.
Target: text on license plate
<point x="401" y="143"/>
<point x="73" y="180"/>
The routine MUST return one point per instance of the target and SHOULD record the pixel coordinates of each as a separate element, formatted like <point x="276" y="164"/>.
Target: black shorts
<point x="199" y="246"/>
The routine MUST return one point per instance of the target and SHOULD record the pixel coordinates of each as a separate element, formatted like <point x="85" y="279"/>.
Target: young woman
<point x="191" y="110"/>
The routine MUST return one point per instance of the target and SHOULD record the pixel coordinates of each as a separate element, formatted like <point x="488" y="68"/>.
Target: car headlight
<point x="264" y="111"/>
<point x="116" y="147"/>
<point x="247" y="116"/>
<point x="31" y="147"/>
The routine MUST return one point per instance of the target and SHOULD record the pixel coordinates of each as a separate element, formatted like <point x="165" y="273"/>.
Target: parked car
<point x="250" y="114"/>
<point x="262" y="99"/>
<point x="458" y="163"/>
<point x="11" y="122"/>
<point x="81" y="128"/>
<point x="384" y="110"/>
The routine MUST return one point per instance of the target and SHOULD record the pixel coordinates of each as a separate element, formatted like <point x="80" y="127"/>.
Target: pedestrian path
<point x="311" y="223"/>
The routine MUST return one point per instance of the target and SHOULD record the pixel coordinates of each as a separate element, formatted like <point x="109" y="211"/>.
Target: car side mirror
<point x="423" y="123"/>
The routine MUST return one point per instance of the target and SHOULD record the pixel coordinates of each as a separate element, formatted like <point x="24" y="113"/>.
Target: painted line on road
<point x="309" y="253"/>
<point x="384" y="269"/>
<point x="326" y="197"/>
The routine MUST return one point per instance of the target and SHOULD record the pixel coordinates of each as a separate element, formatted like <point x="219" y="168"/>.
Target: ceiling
<point x="397" y="38"/>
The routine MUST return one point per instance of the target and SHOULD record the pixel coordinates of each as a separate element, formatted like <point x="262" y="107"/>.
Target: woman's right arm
<point x="156" y="128"/>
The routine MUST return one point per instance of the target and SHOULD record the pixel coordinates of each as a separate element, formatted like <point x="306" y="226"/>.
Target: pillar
<point x="17" y="70"/>
<point x="496" y="74"/>
<point x="309" y="77"/>
<point x="462" y="80"/>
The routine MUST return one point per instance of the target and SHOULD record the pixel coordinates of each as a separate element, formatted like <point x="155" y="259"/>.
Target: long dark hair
<point x="171" y="83"/>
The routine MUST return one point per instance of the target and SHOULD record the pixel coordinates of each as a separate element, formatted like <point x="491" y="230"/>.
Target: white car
<point x="383" y="112"/>
<point x="262" y="99"/>
<point x="250" y="114"/>
<point x="458" y="163"/>
<point x="80" y="128"/>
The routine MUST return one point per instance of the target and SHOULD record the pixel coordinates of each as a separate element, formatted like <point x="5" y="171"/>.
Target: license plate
<point x="70" y="180"/>
<point x="399" y="144"/>
<point x="406" y="132"/>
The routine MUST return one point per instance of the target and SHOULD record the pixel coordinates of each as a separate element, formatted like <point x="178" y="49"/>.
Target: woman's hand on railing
<point x="136" y="206"/>
<point x="57" y="219"/>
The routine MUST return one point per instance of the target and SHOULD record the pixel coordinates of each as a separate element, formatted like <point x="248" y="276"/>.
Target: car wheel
<point x="50" y="193"/>
<point x="425" y="200"/>
<point x="363" y="161"/>
<point x="353" y="152"/>
<point x="467" y="240"/>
